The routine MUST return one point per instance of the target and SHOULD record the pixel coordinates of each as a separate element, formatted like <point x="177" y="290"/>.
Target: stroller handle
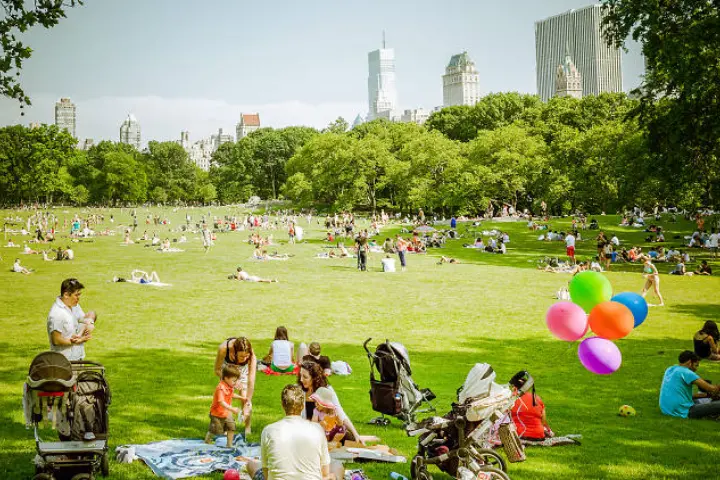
<point x="366" y="344"/>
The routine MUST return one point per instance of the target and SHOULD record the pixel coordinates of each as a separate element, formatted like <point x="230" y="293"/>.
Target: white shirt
<point x="69" y="254"/>
<point x="294" y="449"/>
<point x="282" y="353"/>
<point x="615" y="241"/>
<point x="569" y="241"/>
<point x="17" y="268"/>
<point x="388" y="264"/>
<point x="714" y="240"/>
<point x="66" y="321"/>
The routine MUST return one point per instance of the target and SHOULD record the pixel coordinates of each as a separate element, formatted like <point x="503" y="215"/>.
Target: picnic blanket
<point x="268" y="371"/>
<point x="189" y="457"/>
<point x="553" y="441"/>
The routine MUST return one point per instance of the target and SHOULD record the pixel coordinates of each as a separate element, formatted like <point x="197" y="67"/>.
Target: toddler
<point x="221" y="418"/>
<point x="325" y="414"/>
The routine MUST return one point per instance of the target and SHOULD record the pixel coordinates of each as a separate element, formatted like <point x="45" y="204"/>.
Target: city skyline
<point x="319" y="55"/>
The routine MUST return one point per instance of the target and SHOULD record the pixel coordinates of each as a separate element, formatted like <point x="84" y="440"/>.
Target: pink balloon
<point x="599" y="356"/>
<point x="567" y="321"/>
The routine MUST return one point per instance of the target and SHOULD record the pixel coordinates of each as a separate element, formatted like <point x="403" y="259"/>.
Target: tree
<point x="121" y="179"/>
<point x="17" y="19"/>
<point x="340" y="125"/>
<point x="679" y="105"/>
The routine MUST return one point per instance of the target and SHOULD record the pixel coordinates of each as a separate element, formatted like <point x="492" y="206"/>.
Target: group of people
<point x="298" y="443"/>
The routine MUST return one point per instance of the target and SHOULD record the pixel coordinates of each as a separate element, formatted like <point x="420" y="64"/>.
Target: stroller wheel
<point x="422" y="474"/>
<point x="83" y="476"/>
<point x="489" y="459"/>
<point x="492" y="474"/>
<point x="105" y="465"/>
<point x="44" y="476"/>
<point x="415" y="465"/>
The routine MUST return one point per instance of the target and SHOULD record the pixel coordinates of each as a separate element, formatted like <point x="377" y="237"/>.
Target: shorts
<point x="277" y="369"/>
<point x="259" y="475"/>
<point x="570" y="251"/>
<point x="218" y="425"/>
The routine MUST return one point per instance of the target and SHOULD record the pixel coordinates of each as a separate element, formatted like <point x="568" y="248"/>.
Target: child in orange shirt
<point x="326" y="415"/>
<point x="221" y="411"/>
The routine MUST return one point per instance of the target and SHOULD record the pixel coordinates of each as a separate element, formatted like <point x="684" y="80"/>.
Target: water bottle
<point x="397" y="476"/>
<point x="398" y="403"/>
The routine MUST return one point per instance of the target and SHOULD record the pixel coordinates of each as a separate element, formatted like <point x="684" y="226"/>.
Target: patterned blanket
<point x="184" y="458"/>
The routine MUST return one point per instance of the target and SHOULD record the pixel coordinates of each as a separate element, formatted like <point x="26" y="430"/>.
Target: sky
<point x="196" y="65"/>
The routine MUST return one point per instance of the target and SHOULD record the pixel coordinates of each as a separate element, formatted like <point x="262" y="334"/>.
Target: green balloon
<point x="587" y="289"/>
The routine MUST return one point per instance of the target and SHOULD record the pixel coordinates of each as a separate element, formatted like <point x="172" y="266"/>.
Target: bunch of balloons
<point x="595" y="308"/>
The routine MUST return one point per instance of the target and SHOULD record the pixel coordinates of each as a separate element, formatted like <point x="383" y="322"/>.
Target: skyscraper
<point x="568" y="80"/>
<point x="130" y="131"/>
<point x="65" y="115"/>
<point x="382" y="96"/>
<point x="578" y="33"/>
<point x="460" y="82"/>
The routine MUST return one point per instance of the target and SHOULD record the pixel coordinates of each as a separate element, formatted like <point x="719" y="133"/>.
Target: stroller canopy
<point x="51" y="372"/>
<point x="480" y="383"/>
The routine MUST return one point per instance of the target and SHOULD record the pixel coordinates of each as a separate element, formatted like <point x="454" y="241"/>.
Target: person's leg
<point x="337" y="468"/>
<point x="254" y="468"/>
<point x="656" y="285"/>
<point x="711" y="409"/>
<point x="645" y="289"/>
<point x="154" y="277"/>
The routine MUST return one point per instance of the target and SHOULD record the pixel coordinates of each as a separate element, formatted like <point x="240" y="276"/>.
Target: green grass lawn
<point x="158" y="345"/>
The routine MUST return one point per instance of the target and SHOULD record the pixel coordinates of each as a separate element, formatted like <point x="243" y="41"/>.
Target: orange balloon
<point x="611" y="320"/>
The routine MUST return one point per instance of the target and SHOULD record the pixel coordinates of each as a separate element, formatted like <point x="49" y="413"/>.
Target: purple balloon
<point x="599" y="356"/>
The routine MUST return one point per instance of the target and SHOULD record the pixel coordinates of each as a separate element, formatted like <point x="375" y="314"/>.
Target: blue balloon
<point x="636" y="303"/>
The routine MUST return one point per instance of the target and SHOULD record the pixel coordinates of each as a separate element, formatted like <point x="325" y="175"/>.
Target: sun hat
<point x="323" y="397"/>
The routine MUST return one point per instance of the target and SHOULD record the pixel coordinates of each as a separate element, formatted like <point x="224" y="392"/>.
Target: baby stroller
<point x="459" y="443"/>
<point x="395" y="393"/>
<point x="73" y="397"/>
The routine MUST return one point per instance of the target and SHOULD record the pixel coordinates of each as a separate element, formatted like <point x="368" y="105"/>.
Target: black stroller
<point x="395" y="393"/>
<point x="73" y="397"/>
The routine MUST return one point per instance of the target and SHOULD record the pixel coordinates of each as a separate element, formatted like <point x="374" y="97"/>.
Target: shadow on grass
<point x="162" y="393"/>
<point x="702" y="311"/>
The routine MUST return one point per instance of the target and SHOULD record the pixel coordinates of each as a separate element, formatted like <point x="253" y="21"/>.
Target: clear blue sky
<point x="195" y="65"/>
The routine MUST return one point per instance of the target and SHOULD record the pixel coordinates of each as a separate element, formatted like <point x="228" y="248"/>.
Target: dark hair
<point x="281" y="333"/>
<point x="70" y="286"/>
<point x="316" y="373"/>
<point x="688" y="356"/>
<point x="242" y="345"/>
<point x="230" y="371"/>
<point x="711" y="328"/>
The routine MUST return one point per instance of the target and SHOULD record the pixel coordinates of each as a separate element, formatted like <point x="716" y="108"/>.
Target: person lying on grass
<point x="246" y="277"/>
<point x="444" y="259"/>
<point x="141" y="277"/>
<point x="676" y="392"/>
<point x="221" y="410"/>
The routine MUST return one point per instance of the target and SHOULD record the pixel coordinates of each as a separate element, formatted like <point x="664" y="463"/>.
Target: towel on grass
<point x="185" y="457"/>
<point x="553" y="441"/>
<point x="268" y="371"/>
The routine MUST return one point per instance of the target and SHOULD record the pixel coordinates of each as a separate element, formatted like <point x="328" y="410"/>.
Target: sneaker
<point x="89" y="436"/>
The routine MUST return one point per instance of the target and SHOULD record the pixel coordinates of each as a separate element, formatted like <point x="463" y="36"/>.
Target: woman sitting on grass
<point x="311" y="378"/>
<point x="282" y="352"/>
<point x="528" y="415"/>
<point x="706" y="341"/>
<point x="17" y="268"/>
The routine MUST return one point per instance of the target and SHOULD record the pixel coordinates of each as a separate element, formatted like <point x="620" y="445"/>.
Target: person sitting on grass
<point x="29" y="251"/>
<point x="221" y="410"/>
<point x="282" y="352"/>
<point x="314" y="356"/>
<point x="676" y="392"/>
<point x="294" y="447"/>
<point x="325" y="413"/>
<point x="17" y="268"/>
<point x="242" y="275"/>
<point x="528" y="414"/>
<point x="703" y="269"/>
<point x="595" y="265"/>
<point x="706" y="341"/>
<point x="46" y="257"/>
<point x="444" y="259"/>
<point x="680" y="270"/>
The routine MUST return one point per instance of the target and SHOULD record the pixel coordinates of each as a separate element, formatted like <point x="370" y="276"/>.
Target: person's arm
<point x="252" y="370"/>
<point x="326" y="475"/>
<point x="315" y="417"/>
<point x="226" y="405"/>
<point x="708" y="388"/>
<point x="219" y="359"/>
<point x="59" y="341"/>
<point x="711" y="341"/>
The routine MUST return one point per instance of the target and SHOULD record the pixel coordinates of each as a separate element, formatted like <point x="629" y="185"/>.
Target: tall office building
<point x="578" y="33"/>
<point x="65" y="115"/>
<point x="382" y="96"/>
<point x="249" y="122"/>
<point x="130" y="131"/>
<point x="568" y="80"/>
<point x="461" y="81"/>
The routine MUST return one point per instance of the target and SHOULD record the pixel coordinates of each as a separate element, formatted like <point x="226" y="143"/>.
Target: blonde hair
<point x="293" y="399"/>
<point x="314" y="348"/>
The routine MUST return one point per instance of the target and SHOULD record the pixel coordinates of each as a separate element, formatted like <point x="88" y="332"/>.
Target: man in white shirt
<point x="713" y="242"/>
<point x="293" y="448"/>
<point x="615" y="240"/>
<point x="570" y="247"/>
<point x="68" y="326"/>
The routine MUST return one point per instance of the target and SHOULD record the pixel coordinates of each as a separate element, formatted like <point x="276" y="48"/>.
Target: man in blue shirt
<point x="676" y="392"/>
